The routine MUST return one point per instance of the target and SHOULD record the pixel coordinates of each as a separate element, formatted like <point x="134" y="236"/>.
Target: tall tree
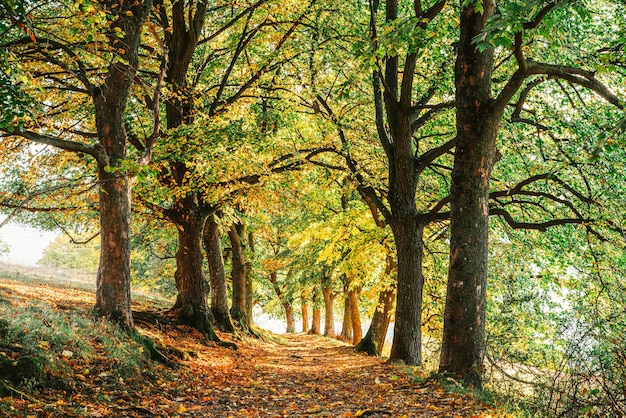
<point x="479" y="115"/>
<point x="117" y="27"/>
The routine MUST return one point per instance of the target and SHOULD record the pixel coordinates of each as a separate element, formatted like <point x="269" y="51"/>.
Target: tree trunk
<point x="287" y="305"/>
<point x="329" y="311"/>
<point x="249" y="281"/>
<point x="217" y="277"/>
<point x="477" y="122"/>
<point x="374" y="340"/>
<point x="304" y="306"/>
<point x="238" y="277"/>
<point x="191" y="284"/>
<point x="407" y="338"/>
<point x="188" y="212"/>
<point x="291" y="323"/>
<point x="355" y="315"/>
<point x="346" y="325"/>
<point x="110" y="99"/>
<point x="316" y="321"/>
<point x="113" y="279"/>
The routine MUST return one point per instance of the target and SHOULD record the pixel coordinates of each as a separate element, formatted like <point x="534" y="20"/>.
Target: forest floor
<point x="278" y="376"/>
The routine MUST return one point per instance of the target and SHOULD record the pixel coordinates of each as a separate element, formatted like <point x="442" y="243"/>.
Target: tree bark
<point x="212" y="238"/>
<point x="374" y="340"/>
<point x="316" y="321"/>
<point x="110" y="99"/>
<point x="249" y="281"/>
<point x="477" y="124"/>
<point x="238" y="277"/>
<point x="192" y="288"/>
<point x="329" y="311"/>
<point x="289" y="316"/>
<point x="355" y="315"/>
<point x="304" y="307"/>
<point x="407" y="338"/>
<point x="346" y="324"/>
<point x="113" y="279"/>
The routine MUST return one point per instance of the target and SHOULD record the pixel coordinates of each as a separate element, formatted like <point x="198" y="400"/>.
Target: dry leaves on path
<point x="284" y="376"/>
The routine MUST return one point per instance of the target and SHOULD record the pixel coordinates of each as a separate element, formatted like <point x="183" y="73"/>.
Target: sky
<point x="26" y="244"/>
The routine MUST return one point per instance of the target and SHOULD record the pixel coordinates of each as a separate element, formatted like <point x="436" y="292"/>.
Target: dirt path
<point x="281" y="376"/>
<point x="312" y="376"/>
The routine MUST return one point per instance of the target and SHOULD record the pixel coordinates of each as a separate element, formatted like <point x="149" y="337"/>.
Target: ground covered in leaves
<point x="89" y="370"/>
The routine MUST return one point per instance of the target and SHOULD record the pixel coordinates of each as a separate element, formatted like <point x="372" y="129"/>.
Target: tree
<point x="197" y="112"/>
<point x="106" y="93"/>
<point x="478" y="118"/>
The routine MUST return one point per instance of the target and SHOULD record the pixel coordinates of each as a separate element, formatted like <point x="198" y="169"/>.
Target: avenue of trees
<point x="453" y="168"/>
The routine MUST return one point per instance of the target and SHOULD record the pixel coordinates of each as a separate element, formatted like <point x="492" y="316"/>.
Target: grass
<point x="57" y="344"/>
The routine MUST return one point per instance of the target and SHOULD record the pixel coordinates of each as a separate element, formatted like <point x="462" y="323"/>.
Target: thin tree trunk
<point x="477" y="122"/>
<point x="346" y="325"/>
<point x="287" y="305"/>
<point x="357" y="331"/>
<point x="316" y="321"/>
<point x="249" y="281"/>
<point x="304" y="306"/>
<point x="329" y="311"/>
<point x="217" y="277"/>
<point x="238" y="277"/>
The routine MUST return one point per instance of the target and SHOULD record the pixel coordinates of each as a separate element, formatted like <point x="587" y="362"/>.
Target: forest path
<point x="312" y="376"/>
<point x="293" y="375"/>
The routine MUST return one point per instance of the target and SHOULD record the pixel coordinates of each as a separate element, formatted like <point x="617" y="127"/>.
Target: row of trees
<point x="222" y="118"/>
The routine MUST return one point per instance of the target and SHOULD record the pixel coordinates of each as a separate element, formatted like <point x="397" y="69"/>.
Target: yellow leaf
<point x="44" y="345"/>
<point x="129" y="13"/>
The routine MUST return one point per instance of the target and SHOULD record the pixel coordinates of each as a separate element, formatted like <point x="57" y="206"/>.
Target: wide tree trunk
<point x="407" y="338"/>
<point x="212" y="238"/>
<point x="238" y="277"/>
<point x="289" y="316"/>
<point x="110" y="99"/>
<point x="113" y="279"/>
<point x="304" y="307"/>
<point x="192" y="287"/>
<point x="374" y="340"/>
<point x="462" y="350"/>
<point x="329" y="308"/>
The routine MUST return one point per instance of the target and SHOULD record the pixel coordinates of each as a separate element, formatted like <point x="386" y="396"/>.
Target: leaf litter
<point x="280" y="376"/>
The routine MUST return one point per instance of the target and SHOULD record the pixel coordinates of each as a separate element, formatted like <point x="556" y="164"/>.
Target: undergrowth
<point x="65" y="347"/>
